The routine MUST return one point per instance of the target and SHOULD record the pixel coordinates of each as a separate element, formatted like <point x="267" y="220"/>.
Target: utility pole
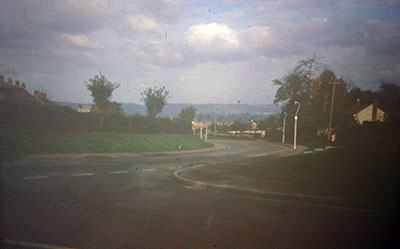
<point x="284" y="127"/>
<point x="295" y="124"/>
<point x="215" y="127"/>
<point x="334" y="83"/>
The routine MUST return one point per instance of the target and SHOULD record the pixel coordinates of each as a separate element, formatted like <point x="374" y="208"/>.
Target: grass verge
<point x="14" y="145"/>
<point x="341" y="173"/>
<point x="231" y="137"/>
<point x="313" y="145"/>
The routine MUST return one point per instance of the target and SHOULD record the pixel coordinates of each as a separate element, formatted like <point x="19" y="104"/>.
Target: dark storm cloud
<point x="380" y="37"/>
<point x="60" y="44"/>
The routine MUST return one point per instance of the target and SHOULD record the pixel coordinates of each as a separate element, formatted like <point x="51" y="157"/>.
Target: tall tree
<point x="314" y="90"/>
<point x="357" y="95"/>
<point x="300" y="85"/>
<point x="239" y="126"/>
<point x="154" y="99"/>
<point x="101" y="90"/>
<point x="389" y="97"/>
<point x="187" y="114"/>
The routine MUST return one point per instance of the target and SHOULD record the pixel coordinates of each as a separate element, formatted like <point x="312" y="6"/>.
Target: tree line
<point x="155" y="99"/>
<point x="106" y="116"/>
<point x="31" y="117"/>
<point x="312" y="84"/>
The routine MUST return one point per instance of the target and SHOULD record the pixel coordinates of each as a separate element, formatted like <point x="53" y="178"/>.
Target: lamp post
<point x="295" y="123"/>
<point x="284" y="127"/>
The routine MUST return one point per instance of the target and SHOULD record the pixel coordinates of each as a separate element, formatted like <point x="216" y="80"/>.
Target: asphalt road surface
<point x="136" y="203"/>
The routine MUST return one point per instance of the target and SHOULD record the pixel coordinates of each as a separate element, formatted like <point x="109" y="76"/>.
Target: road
<point x="136" y="203"/>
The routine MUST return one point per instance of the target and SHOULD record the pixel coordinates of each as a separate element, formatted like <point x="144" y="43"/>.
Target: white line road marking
<point x="149" y="170"/>
<point x="34" y="177"/>
<point x="34" y="245"/>
<point x="119" y="172"/>
<point x="82" y="174"/>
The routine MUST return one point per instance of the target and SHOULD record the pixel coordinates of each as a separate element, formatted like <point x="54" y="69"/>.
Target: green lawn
<point x="17" y="144"/>
<point x="337" y="172"/>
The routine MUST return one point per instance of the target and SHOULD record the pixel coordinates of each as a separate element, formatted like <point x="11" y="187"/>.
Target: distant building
<point x="196" y="125"/>
<point x="80" y="108"/>
<point x="253" y="125"/>
<point x="256" y="133"/>
<point x="369" y="113"/>
<point x="18" y="92"/>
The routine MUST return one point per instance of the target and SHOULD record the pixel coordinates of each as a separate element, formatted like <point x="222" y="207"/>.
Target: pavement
<point x="223" y="177"/>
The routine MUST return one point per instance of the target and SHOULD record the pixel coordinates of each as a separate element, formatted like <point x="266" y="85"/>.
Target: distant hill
<point x="174" y="109"/>
<point x="224" y="109"/>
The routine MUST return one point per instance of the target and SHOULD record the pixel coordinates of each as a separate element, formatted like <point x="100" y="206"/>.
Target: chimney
<point x="23" y="85"/>
<point x="17" y="83"/>
<point x="374" y="110"/>
<point x="10" y="81"/>
<point x="44" y="94"/>
<point x="36" y="94"/>
<point x="1" y="78"/>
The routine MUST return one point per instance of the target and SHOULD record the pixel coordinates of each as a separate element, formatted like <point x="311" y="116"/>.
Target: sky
<point x="202" y="51"/>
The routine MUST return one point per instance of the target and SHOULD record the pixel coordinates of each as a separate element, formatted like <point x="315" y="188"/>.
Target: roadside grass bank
<point x="16" y="144"/>
<point x="340" y="172"/>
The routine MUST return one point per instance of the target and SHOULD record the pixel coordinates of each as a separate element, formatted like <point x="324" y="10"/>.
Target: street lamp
<point x="284" y="127"/>
<point x="295" y="123"/>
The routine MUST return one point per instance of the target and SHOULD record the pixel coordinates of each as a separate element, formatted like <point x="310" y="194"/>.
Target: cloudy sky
<point x="202" y="51"/>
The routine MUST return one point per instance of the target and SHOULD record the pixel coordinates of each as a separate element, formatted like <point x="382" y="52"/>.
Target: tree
<point x="313" y="89"/>
<point x="154" y="99"/>
<point x="389" y="97"/>
<point x="270" y="123"/>
<point x="101" y="89"/>
<point x="357" y="95"/>
<point x="113" y="108"/>
<point x="239" y="126"/>
<point x="300" y="84"/>
<point x="187" y="114"/>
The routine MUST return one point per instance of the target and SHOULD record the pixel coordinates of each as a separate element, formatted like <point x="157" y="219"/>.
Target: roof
<point x="16" y="93"/>
<point x="357" y="108"/>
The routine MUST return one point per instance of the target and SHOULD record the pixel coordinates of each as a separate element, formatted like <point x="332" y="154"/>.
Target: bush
<point x="17" y="116"/>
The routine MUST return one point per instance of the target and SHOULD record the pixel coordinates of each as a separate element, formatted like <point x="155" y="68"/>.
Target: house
<point x="253" y="125"/>
<point x="18" y="93"/>
<point x="81" y="108"/>
<point x="369" y="113"/>
<point x="255" y="133"/>
<point x="197" y="125"/>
